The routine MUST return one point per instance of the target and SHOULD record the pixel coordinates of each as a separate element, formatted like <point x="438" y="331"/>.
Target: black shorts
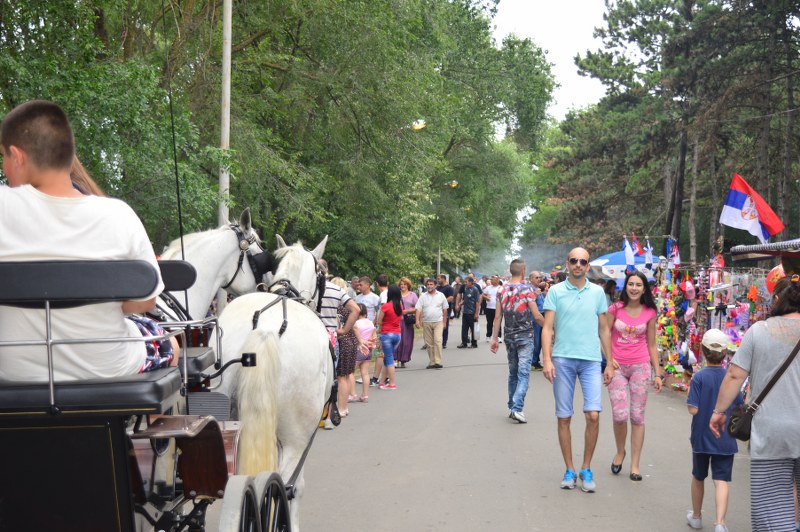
<point x="721" y="466"/>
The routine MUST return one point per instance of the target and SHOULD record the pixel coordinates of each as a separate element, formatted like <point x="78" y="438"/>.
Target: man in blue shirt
<point x="575" y="313"/>
<point x="470" y="302"/>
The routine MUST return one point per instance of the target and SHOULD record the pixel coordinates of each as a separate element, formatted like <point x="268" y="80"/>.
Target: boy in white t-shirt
<point x="42" y="217"/>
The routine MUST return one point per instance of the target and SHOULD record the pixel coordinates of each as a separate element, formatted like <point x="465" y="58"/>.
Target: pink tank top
<point x="629" y="335"/>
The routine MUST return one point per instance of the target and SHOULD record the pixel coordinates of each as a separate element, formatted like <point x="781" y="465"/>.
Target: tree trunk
<point x="713" y="225"/>
<point x="786" y="175"/>
<point x="692" y="207"/>
<point x="762" y="181"/>
<point x="677" y="210"/>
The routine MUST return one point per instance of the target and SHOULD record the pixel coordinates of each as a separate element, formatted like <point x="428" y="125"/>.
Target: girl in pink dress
<point x="365" y="330"/>
<point x="632" y="361"/>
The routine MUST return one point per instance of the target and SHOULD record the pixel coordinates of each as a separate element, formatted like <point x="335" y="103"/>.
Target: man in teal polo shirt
<point x="573" y="311"/>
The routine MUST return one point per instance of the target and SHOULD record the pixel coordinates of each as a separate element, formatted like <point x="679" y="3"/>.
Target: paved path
<point x="440" y="454"/>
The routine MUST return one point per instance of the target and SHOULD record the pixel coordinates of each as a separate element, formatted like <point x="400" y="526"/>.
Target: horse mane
<point x="282" y="252"/>
<point x="173" y="250"/>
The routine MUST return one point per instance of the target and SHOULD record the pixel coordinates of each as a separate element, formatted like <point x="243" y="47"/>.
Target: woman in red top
<point x="388" y="323"/>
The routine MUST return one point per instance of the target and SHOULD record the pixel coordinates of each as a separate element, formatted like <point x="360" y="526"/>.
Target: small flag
<point x="745" y="209"/>
<point x="673" y="254"/>
<point x="629" y="260"/>
<point x="648" y="255"/>
<point x="637" y="248"/>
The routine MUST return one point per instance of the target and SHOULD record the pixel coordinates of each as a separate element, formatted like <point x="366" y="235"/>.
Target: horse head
<point x="297" y="273"/>
<point x="219" y="255"/>
<point x="259" y="260"/>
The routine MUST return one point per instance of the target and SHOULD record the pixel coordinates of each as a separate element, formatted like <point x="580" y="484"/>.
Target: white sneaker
<point x="720" y="528"/>
<point x="499" y="340"/>
<point x="519" y="417"/>
<point x="329" y="425"/>
<point x="359" y="381"/>
<point x="694" y="522"/>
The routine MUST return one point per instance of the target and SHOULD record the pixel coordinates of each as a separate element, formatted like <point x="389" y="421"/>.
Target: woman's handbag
<point x="409" y="319"/>
<point x="742" y="415"/>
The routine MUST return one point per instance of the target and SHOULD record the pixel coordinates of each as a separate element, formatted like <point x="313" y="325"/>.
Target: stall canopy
<point x="612" y="266"/>
<point x="789" y="248"/>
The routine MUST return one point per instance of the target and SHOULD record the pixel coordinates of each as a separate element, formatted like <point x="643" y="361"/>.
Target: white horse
<point x="279" y="401"/>
<point x="224" y="258"/>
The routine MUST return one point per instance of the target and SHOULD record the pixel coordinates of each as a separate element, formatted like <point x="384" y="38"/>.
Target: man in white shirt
<point x="432" y="309"/>
<point x="489" y="297"/>
<point x="368" y="298"/>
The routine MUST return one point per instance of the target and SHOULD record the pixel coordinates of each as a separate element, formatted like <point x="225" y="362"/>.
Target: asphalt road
<point x="439" y="453"/>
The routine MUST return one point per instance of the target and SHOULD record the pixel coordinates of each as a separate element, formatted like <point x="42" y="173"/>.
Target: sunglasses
<point x="575" y="261"/>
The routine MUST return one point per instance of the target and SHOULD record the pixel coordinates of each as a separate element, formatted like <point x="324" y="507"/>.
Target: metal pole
<point x="439" y="263"/>
<point x="225" y="128"/>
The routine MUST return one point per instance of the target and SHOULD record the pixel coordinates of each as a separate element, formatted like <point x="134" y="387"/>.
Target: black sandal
<point x="636" y="477"/>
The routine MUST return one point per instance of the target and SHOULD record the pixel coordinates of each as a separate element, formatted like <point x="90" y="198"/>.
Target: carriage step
<point x="209" y="404"/>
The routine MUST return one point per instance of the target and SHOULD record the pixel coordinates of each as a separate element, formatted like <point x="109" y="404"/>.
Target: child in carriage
<point x="43" y="216"/>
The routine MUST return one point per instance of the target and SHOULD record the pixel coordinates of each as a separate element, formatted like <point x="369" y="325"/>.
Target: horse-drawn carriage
<point x="112" y="454"/>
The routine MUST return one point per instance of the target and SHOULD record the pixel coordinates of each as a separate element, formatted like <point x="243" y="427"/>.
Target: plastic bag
<point x="477" y="332"/>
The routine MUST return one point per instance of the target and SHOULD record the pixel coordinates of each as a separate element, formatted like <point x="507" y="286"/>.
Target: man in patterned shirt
<point x="517" y="304"/>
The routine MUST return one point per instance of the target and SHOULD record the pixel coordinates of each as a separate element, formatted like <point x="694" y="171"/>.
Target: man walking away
<point x="572" y="311"/>
<point x="432" y="312"/>
<point x="535" y="280"/>
<point x="517" y="304"/>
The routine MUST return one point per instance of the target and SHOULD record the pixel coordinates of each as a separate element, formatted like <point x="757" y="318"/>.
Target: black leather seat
<point x="146" y="393"/>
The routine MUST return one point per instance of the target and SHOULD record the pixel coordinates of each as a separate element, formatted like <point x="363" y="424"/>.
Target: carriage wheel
<point x="273" y="503"/>
<point x="239" y="506"/>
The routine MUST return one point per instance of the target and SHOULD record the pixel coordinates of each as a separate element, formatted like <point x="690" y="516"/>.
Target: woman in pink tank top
<point x="632" y="322"/>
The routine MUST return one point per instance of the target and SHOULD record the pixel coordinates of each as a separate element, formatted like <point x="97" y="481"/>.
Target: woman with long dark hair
<point x="388" y="323"/>
<point x="775" y="433"/>
<point x="632" y="361"/>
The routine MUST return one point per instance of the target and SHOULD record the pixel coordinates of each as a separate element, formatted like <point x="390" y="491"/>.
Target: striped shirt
<point x="334" y="298"/>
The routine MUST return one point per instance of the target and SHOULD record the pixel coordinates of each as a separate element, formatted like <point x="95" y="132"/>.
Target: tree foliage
<point x="323" y="96"/>
<point x="696" y="89"/>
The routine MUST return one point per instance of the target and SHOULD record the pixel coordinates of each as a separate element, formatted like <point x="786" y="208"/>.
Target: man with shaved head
<point x="573" y="312"/>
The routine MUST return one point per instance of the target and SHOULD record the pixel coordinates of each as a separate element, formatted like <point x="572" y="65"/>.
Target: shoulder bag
<point x="409" y="319"/>
<point x="742" y="415"/>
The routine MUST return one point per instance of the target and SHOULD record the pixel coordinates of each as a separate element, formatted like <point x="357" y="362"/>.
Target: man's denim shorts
<point x="568" y="370"/>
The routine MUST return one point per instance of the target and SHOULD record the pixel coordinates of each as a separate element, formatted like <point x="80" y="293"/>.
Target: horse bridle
<point x="284" y="287"/>
<point x="260" y="263"/>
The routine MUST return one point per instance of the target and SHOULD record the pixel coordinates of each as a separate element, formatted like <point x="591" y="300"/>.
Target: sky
<point x="562" y="28"/>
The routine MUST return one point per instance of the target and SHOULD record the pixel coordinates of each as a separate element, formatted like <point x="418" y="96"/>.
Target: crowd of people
<point x="581" y="332"/>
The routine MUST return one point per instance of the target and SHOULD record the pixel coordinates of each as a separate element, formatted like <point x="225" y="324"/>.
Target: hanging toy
<point x="774" y="276"/>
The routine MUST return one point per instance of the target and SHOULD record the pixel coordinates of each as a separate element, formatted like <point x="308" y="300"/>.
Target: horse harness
<point x="260" y="263"/>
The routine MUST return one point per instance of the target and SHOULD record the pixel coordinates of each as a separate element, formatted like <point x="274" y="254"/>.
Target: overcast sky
<point x="562" y="28"/>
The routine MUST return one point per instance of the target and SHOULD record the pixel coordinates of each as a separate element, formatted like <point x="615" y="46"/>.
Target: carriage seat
<point x="74" y="283"/>
<point x="146" y="393"/>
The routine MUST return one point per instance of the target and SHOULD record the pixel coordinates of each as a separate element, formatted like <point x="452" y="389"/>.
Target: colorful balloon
<point x="773" y="276"/>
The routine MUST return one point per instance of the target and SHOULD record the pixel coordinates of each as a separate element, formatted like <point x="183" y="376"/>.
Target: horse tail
<point x="258" y="405"/>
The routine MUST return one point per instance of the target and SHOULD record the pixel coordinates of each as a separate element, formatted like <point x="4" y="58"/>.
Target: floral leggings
<point x="628" y="392"/>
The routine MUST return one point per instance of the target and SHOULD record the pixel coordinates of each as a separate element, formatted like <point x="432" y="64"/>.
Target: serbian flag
<point x="637" y="248"/>
<point x="745" y="209"/>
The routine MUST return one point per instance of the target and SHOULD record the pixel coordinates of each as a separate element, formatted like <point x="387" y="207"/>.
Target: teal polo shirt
<point x="577" y="317"/>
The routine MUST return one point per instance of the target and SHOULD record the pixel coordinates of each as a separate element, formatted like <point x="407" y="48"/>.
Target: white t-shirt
<point x="35" y="226"/>
<point x="491" y="291"/>
<point x="432" y="306"/>
<point x="372" y="301"/>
